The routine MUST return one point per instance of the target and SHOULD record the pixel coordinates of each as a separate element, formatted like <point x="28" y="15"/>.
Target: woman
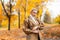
<point x="32" y="26"/>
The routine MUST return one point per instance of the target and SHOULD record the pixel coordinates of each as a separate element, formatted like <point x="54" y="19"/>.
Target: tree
<point x="57" y="19"/>
<point x="18" y="18"/>
<point x="47" y="17"/>
<point x="1" y="17"/>
<point x="8" y="11"/>
<point x="18" y="9"/>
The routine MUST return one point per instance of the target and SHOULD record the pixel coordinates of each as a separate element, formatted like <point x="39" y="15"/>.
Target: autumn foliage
<point x="24" y="7"/>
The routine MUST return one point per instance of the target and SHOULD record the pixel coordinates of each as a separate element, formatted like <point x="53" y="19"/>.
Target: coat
<point x="29" y="25"/>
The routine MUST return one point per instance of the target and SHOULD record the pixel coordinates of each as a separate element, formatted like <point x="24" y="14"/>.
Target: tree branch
<point x="4" y="8"/>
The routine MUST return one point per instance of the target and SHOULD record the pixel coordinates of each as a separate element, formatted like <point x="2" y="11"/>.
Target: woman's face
<point x="34" y="13"/>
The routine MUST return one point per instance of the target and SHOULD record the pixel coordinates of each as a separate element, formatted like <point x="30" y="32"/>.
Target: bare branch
<point x="10" y="6"/>
<point x="4" y="8"/>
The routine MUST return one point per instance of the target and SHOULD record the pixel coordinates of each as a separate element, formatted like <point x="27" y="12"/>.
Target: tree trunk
<point x="0" y="23"/>
<point x="18" y="19"/>
<point x="9" y="19"/>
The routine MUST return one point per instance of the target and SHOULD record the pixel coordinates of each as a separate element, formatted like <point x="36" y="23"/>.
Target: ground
<point x="52" y="33"/>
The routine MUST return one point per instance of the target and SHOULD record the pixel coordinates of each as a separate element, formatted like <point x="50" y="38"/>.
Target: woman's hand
<point x="35" y="31"/>
<point x="36" y="28"/>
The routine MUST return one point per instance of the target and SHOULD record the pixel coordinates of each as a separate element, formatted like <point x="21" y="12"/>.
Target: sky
<point x="53" y="7"/>
<point x="6" y="1"/>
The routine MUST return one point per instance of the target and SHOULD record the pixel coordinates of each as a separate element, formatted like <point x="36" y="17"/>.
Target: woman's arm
<point x="28" y="30"/>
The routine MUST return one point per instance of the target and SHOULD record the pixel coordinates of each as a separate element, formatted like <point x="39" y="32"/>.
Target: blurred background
<point x="48" y="11"/>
